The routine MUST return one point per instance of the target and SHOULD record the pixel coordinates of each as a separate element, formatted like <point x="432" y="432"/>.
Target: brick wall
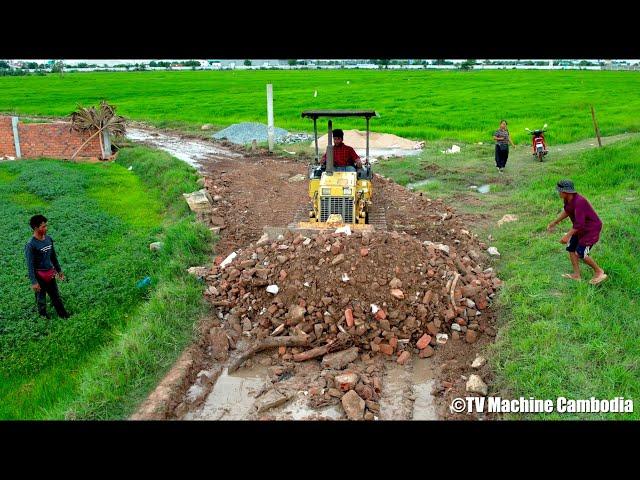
<point x="53" y="140"/>
<point x="7" y="147"/>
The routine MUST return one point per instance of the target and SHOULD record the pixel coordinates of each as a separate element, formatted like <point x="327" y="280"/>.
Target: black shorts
<point x="581" y="250"/>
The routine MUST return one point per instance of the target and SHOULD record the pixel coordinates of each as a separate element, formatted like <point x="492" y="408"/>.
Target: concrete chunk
<point x="353" y="405"/>
<point x="269" y="400"/>
<point x="198" y="201"/>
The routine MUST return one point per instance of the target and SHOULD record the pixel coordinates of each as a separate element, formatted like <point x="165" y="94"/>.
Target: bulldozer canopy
<point x="339" y="113"/>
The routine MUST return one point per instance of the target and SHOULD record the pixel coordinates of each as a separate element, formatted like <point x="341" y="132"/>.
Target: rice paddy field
<point x="422" y="105"/>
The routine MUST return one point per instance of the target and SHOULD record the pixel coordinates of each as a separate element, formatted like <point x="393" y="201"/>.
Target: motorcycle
<point x="538" y="143"/>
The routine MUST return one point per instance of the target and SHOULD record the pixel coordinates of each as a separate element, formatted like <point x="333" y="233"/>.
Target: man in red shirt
<point x="345" y="158"/>
<point x="584" y="233"/>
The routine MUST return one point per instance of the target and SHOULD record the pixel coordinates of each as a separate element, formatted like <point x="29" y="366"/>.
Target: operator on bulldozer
<point x="340" y="186"/>
<point x="345" y="158"/>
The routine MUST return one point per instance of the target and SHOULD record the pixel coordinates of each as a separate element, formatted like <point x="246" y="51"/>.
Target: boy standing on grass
<point x="43" y="267"/>
<point x="584" y="233"/>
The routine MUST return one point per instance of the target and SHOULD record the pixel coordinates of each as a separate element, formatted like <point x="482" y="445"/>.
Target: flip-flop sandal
<point x="568" y="275"/>
<point x="600" y="279"/>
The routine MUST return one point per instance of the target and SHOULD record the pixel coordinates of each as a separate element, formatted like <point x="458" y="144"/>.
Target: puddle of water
<point x="406" y="395"/>
<point x="376" y="154"/>
<point x="233" y="396"/>
<point x="395" y="403"/>
<point x="423" y="382"/>
<point x="402" y="382"/>
<point x="414" y="185"/>
<point x="194" y="152"/>
<point x="190" y="151"/>
<point x="423" y="407"/>
<point x="297" y="409"/>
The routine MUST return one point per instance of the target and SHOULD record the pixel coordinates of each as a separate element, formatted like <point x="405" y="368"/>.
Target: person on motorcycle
<point x="537" y="140"/>
<point x="533" y="143"/>
<point x="502" y="138"/>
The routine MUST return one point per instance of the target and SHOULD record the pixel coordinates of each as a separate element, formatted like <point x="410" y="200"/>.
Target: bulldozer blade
<point x="320" y="227"/>
<point x="313" y="228"/>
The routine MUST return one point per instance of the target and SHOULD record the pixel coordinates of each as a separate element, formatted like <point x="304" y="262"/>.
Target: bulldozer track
<point x="378" y="217"/>
<point x="302" y="214"/>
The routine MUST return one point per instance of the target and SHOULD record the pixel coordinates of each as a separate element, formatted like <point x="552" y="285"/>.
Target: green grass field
<point x="430" y="105"/>
<point x="557" y="337"/>
<point x="102" y="362"/>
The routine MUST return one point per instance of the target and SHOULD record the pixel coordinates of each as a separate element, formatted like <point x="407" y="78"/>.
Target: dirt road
<point x="254" y="191"/>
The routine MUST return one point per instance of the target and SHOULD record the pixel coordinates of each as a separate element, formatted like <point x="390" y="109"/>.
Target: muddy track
<point x="251" y="194"/>
<point x="258" y="192"/>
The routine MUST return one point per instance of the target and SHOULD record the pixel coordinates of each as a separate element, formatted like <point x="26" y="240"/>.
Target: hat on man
<point x="565" y="186"/>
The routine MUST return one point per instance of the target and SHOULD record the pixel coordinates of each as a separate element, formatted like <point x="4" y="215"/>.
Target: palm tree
<point x="100" y="119"/>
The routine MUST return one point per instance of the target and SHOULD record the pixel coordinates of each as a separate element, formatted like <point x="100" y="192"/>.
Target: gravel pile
<point x="246" y="132"/>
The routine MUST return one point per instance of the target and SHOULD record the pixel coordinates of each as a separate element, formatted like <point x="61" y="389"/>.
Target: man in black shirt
<point x="43" y="267"/>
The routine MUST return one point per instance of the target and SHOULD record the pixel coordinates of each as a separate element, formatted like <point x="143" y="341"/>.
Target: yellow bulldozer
<point x="339" y="198"/>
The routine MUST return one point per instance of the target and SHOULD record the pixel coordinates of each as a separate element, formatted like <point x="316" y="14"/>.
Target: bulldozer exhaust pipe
<point x="329" y="168"/>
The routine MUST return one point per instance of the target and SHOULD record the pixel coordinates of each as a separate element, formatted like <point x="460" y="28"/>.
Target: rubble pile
<point x="350" y="300"/>
<point x="340" y="379"/>
<point x="386" y="293"/>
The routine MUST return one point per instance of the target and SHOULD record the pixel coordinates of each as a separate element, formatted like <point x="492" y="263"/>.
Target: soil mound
<point x="358" y="140"/>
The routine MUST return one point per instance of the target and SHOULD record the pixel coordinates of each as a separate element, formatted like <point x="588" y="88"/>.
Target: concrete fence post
<point x="16" y="137"/>
<point x="107" y="143"/>
<point x="270" y="126"/>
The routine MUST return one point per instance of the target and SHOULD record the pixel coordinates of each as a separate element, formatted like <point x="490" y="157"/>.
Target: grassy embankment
<point x="558" y="337"/>
<point x="103" y="361"/>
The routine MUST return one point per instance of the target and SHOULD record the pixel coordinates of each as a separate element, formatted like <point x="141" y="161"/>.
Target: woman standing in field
<point x="502" y="138"/>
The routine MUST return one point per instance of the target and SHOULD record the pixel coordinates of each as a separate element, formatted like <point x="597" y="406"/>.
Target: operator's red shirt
<point x="585" y="220"/>
<point x="343" y="156"/>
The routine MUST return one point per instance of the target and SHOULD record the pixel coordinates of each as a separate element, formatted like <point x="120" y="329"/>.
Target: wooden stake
<point x="313" y="353"/>
<point x="595" y="125"/>
<point x="88" y="139"/>
<point x="453" y="288"/>
<point x="269" y="342"/>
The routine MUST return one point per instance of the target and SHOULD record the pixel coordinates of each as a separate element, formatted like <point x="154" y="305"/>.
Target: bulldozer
<point x="339" y="198"/>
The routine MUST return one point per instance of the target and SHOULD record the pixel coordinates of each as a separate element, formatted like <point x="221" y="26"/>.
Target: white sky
<point x="110" y="62"/>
